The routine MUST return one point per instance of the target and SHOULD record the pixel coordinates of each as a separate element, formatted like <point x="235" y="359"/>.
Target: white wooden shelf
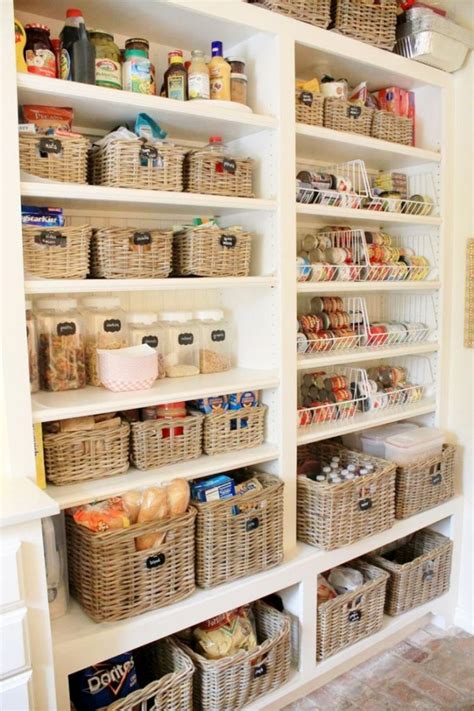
<point x="22" y="501"/>
<point x="359" y="355"/>
<point x="347" y="214"/>
<point x="359" y="287"/>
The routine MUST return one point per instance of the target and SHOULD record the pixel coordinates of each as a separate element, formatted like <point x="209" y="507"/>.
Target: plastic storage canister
<point x="108" y="69"/>
<point x="215" y="352"/>
<point x="136" y="72"/>
<point x="32" y="340"/>
<point x="105" y="327"/>
<point x="420" y="443"/>
<point x="238" y="88"/>
<point x="373" y="440"/>
<point x="145" y="328"/>
<point x="61" y="345"/>
<point x="181" y="343"/>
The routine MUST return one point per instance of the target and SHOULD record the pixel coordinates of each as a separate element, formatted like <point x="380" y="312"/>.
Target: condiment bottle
<point x="144" y="46"/>
<point x="176" y="80"/>
<point x="108" y="69"/>
<point x="136" y="72"/>
<point x="20" y="42"/>
<point x="219" y="73"/>
<point x="81" y="51"/>
<point x="39" y="52"/>
<point x="198" y="76"/>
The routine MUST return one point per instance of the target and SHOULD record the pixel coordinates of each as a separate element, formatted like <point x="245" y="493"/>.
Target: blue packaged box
<point x="216" y="403"/>
<point x="32" y="216"/>
<point x="213" y="488"/>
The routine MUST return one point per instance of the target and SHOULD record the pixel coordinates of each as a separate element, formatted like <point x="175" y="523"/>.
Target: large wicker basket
<point x="419" y="571"/>
<point x="113" y="581"/>
<point x="155" y="443"/>
<point x="316" y="12"/>
<point x="390" y="127"/>
<point x="309" y="108"/>
<point x="348" y="618"/>
<point x="425" y="483"/>
<point x="335" y="515"/>
<point x="233" y="430"/>
<point x="218" y="174"/>
<point x="62" y="159"/>
<point x="240" y="537"/>
<point x="78" y="456"/>
<point x="56" y="252"/>
<point x="212" y="252"/>
<point x="125" y="163"/>
<point x="366" y="21"/>
<point x="231" y="683"/>
<point x="128" y="253"/>
<point x="343" y="115"/>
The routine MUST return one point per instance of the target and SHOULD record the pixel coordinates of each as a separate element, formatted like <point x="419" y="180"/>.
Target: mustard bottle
<point x="219" y="74"/>
<point x="20" y="42"/>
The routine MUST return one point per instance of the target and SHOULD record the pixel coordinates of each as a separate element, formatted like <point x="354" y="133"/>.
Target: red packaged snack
<point x="101" y="516"/>
<point x="46" y="117"/>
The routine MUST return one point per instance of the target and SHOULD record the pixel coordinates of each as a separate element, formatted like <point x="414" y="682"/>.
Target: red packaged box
<point x="389" y="99"/>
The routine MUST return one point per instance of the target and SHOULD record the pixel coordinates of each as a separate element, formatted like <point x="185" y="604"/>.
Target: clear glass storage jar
<point x="181" y="343"/>
<point x="105" y="327"/>
<point x="32" y="341"/>
<point x="145" y="328"/>
<point x="215" y="341"/>
<point x="61" y="345"/>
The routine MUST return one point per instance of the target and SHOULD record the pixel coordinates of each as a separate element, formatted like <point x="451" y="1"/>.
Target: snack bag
<point x="101" y="516"/>
<point x="325" y="590"/>
<point x="226" y="634"/>
<point x="102" y="684"/>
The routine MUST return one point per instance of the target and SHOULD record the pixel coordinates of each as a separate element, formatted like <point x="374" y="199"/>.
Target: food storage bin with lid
<point x="373" y="441"/>
<point x="145" y="328"/>
<point x="410" y="445"/>
<point x="215" y="341"/>
<point x="105" y="327"/>
<point x="61" y="345"/>
<point x="181" y="343"/>
<point x="32" y="340"/>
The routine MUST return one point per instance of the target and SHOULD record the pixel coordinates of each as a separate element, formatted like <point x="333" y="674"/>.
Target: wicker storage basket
<point x="334" y="515"/>
<point x="230" y="683"/>
<point x="212" y="253"/>
<point x="230" y="544"/>
<point x="233" y="430"/>
<point x="419" y="571"/>
<point x="342" y="115"/>
<point x="124" y="163"/>
<point x="309" y="108"/>
<point x="425" y="483"/>
<point x="366" y="21"/>
<point x="316" y="12"/>
<point x="166" y="674"/>
<point x="92" y="454"/>
<point x="62" y="159"/>
<point x="56" y="252"/>
<point x="217" y="174"/>
<point x="390" y="127"/>
<point x="350" y="617"/>
<point x="113" y="581"/>
<point x="127" y="253"/>
<point x="155" y="443"/>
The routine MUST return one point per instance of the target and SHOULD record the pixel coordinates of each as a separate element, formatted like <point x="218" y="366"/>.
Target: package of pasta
<point x="102" y="515"/>
<point x="226" y="634"/>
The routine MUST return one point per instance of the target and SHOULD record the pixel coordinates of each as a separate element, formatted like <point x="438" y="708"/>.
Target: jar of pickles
<point x="32" y="341"/>
<point x="105" y="327"/>
<point x="145" y="328"/>
<point x="215" y="342"/>
<point x="108" y="68"/>
<point x="181" y="343"/>
<point x="61" y="345"/>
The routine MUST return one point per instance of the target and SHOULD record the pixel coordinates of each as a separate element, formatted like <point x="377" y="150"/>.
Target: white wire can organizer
<point x="398" y="320"/>
<point x="401" y="382"/>
<point x="408" y="193"/>
<point x="333" y="323"/>
<point x="333" y="394"/>
<point x="339" y="185"/>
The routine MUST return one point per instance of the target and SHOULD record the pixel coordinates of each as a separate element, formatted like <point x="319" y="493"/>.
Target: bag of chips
<point x="226" y="634"/>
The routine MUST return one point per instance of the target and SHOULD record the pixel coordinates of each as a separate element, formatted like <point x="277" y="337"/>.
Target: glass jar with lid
<point x="181" y="343"/>
<point x="145" y="328"/>
<point x="143" y="45"/>
<point x="215" y="341"/>
<point x="32" y="341"/>
<point x="108" y="68"/>
<point x="105" y="327"/>
<point x="61" y="345"/>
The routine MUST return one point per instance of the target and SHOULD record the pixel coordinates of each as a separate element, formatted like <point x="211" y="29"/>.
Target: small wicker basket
<point x="309" y="108"/>
<point x="126" y="163"/>
<point x="367" y="22"/>
<point x="232" y="544"/>
<point x="343" y="115"/>
<point x="425" y="483"/>
<point x="62" y="159"/>
<point x="78" y="456"/>
<point x="334" y="515"/>
<point x="352" y="616"/>
<point x="230" y="683"/>
<point x="113" y="581"/>
<point x="128" y="253"/>
<point x="57" y="252"/>
<point x="315" y="12"/>
<point x="218" y="174"/>
<point x="212" y="252"/>
<point x="393" y="128"/>
<point x="233" y="430"/>
<point x="419" y="571"/>
<point x="155" y="443"/>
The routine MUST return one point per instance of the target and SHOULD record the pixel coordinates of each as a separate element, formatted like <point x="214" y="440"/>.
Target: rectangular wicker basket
<point x="155" y="443"/>
<point x="129" y="253"/>
<point x="113" y="581"/>
<point x="234" y="429"/>
<point x="334" y="515"/>
<point x="419" y="571"/>
<point x="425" y="483"/>
<point x="212" y="252"/>
<point x="232" y="544"/>
<point x="348" y="618"/>
<point x="126" y="163"/>
<point x="62" y="159"/>
<point x="78" y="456"/>
<point x="57" y="252"/>
<point x="218" y="174"/>
<point x="343" y="115"/>
<point x="366" y="21"/>
<point x="315" y="12"/>
<point x="230" y="683"/>
<point x="393" y="128"/>
<point x="309" y="108"/>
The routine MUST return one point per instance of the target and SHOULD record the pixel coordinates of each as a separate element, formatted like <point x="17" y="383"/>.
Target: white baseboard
<point x="464" y="620"/>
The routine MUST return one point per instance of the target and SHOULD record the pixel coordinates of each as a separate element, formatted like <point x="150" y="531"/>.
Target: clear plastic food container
<point x="215" y="352"/>
<point x="181" y="343"/>
<point x="32" y="340"/>
<point x="410" y="445"/>
<point x="373" y="440"/>
<point x="145" y="328"/>
<point x="105" y="327"/>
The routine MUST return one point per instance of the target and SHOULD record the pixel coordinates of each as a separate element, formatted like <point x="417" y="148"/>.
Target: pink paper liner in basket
<point x="125" y="369"/>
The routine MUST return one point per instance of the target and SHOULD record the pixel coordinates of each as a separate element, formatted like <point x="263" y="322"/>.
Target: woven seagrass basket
<point x="217" y="174"/>
<point x="425" y="483"/>
<point x="365" y="21"/>
<point x="57" y="252"/>
<point x="393" y="128"/>
<point x="155" y="443"/>
<point x="309" y="108"/>
<point x="128" y="253"/>
<point x="63" y="159"/>
<point x="343" y="115"/>
<point x="315" y="12"/>
<point x="234" y="429"/>
<point x="212" y="252"/>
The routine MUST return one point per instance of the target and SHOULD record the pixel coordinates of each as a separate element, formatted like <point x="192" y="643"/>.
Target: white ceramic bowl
<point x="125" y="369"/>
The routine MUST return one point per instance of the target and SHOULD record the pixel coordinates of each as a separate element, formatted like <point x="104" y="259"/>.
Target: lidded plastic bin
<point x="145" y="328"/>
<point x="409" y="445"/>
<point x="32" y="340"/>
<point x="106" y="328"/>
<point x="181" y="343"/>
<point x="215" y="341"/>
<point x="373" y="441"/>
<point x="61" y="345"/>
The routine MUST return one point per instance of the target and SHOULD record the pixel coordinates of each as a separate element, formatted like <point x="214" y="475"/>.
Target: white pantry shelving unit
<point x="263" y="306"/>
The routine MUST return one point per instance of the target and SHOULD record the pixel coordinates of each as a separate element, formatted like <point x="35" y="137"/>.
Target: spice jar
<point x="145" y="328"/>
<point x="144" y="46"/>
<point x="215" y="353"/>
<point x="181" y="343"/>
<point x="105" y="327"/>
<point x="108" y="69"/>
<point x="32" y="341"/>
<point x="39" y="52"/>
<point x="238" y="88"/>
<point x="61" y="345"/>
<point x="237" y="64"/>
<point x="136" y="72"/>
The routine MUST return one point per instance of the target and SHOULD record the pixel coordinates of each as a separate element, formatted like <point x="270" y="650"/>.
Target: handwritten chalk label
<point x="228" y="241"/>
<point x="354" y="615"/>
<point x="185" y="339"/>
<point x="112" y="325"/>
<point x="218" y="336"/>
<point x="436" y="479"/>
<point x="354" y="111"/>
<point x="151" y="341"/>
<point x="306" y="98"/>
<point x="154" y="561"/>
<point x="48" y="145"/>
<point x="229" y="165"/>
<point x="252" y="524"/>
<point x="141" y="238"/>
<point x="365" y="504"/>
<point x="66" y="328"/>
<point x="48" y="238"/>
<point x="259" y="671"/>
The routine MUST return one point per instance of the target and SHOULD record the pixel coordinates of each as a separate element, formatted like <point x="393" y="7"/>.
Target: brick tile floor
<point x="429" y="670"/>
